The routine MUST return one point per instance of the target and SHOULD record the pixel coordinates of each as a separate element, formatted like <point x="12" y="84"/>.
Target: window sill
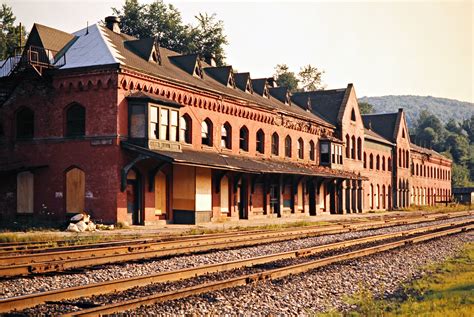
<point x="208" y="148"/>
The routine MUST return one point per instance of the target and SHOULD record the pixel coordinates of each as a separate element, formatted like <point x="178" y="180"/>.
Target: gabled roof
<point x="280" y="93"/>
<point x="423" y="150"/>
<point x="324" y="103"/>
<point x="145" y="48"/>
<point x="242" y="80"/>
<point x="372" y="135"/>
<point x="384" y="124"/>
<point x="92" y="48"/>
<point x="48" y="38"/>
<point x="222" y="74"/>
<point x="188" y="63"/>
<point x="260" y="86"/>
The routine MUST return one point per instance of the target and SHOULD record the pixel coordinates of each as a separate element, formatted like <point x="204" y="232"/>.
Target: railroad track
<point x="385" y="242"/>
<point x="26" y="264"/>
<point x="60" y="245"/>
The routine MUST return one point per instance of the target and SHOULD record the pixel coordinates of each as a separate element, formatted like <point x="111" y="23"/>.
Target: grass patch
<point x="447" y="290"/>
<point x="439" y="208"/>
<point x="269" y="227"/>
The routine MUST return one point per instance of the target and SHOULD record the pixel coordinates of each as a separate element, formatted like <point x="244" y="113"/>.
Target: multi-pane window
<point x="311" y="150"/>
<point x="206" y="132"/>
<point x="185" y="129"/>
<point x="226" y="136"/>
<point x="25" y="123"/>
<point x="300" y="148"/>
<point x="324" y="153"/>
<point x="163" y="124"/>
<point x="260" y="141"/>
<point x="75" y="121"/>
<point x="244" y="138"/>
<point x="275" y="144"/>
<point x="288" y="146"/>
<point x="339" y="154"/>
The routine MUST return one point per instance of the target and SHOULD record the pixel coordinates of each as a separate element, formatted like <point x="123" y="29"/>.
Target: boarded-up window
<point x="24" y="192"/>
<point x="160" y="194"/>
<point x="75" y="190"/>
<point x="224" y="194"/>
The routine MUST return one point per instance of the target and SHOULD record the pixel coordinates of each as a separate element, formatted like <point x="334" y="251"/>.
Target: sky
<point x="383" y="47"/>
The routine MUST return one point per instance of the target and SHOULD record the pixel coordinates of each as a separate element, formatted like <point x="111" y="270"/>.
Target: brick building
<point x="104" y="122"/>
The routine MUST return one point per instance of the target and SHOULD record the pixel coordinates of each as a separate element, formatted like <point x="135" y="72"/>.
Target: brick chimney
<point x="113" y="23"/>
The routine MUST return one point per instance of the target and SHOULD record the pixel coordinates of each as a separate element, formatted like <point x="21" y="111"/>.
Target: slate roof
<point x="371" y="135"/>
<point x="241" y="80"/>
<point x="142" y="47"/>
<point x="423" y="150"/>
<point x="280" y="93"/>
<point x="141" y="95"/>
<point x="383" y="124"/>
<point x="103" y="47"/>
<point x="221" y="74"/>
<point x="50" y="38"/>
<point x="240" y="163"/>
<point x="324" y="103"/>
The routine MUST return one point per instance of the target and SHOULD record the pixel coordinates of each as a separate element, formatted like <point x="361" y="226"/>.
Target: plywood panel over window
<point x="160" y="193"/>
<point x="75" y="190"/>
<point x="25" y="192"/>
<point x="224" y="194"/>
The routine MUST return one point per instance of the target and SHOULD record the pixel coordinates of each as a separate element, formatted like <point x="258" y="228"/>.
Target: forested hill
<point x="443" y="108"/>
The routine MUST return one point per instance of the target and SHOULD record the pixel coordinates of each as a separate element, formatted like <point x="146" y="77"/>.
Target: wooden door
<point x="24" y="192"/>
<point x="160" y="194"/>
<point x="75" y="190"/>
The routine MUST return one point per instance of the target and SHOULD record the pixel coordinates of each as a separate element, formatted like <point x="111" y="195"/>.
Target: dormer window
<point x="231" y="82"/>
<point x="197" y="71"/>
<point x="265" y="93"/>
<point x="248" y="88"/>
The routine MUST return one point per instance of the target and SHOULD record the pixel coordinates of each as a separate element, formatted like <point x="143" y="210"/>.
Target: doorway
<point x="133" y="197"/>
<point x="243" y="199"/>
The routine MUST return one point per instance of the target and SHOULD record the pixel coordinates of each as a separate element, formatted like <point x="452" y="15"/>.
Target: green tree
<point x="164" y="22"/>
<point x="459" y="148"/>
<point x="468" y="126"/>
<point x="310" y="78"/>
<point x="208" y="38"/>
<point x="460" y="175"/>
<point x="286" y="78"/>
<point x="9" y="32"/>
<point x="366" y="108"/>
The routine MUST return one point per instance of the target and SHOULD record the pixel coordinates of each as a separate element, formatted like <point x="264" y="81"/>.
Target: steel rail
<point x="261" y="276"/>
<point x="64" y="260"/>
<point x="26" y="301"/>
<point x="63" y="245"/>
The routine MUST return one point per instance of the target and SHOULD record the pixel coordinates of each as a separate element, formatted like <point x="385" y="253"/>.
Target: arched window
<point x="353" y="147"/>
<point x="371" y="194"/>
<point x="244" y="138"/>
<point x="371" y="161"/>
<point x="206" y="132"/>
<point x="288" y="146"/>
<point x="185" y="129"/>
<point x="365" y="160"/>
<point x="377" y="162"/>
<point x="300" y="148"/>
<point x="383" y="197"/>
<point x="383" y="164"/>
<point x="226" y="136"/>
<point x="389" y="164"/>
<point x="407" y="159"/>
<point x="75" y="121"/>
<point x="400" y="157"/>
<point x="260" y="141"/>
<point x="353" y="115"/>
<point x="359" y="148"/>
<point x="312" y="155"/>
<point x="25" y="123"/>
<point x="348" y="146"/>
<point x="275" y="144"/>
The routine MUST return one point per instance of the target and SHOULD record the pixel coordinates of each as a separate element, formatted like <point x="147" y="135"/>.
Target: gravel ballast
<point x="321" y="289"/>
<point x="28" y="285"/>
